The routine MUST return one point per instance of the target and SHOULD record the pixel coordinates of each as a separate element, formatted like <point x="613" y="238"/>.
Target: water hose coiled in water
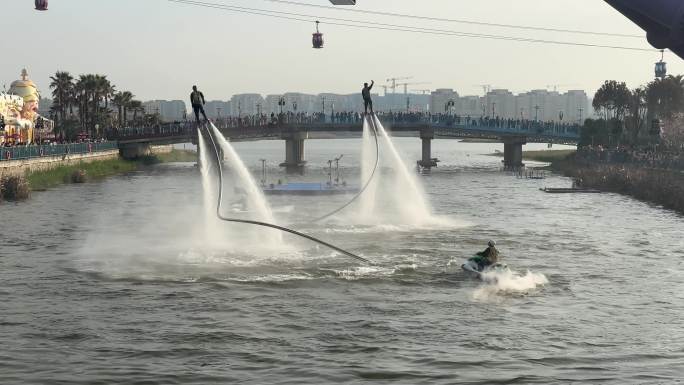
<point x="264" y="224"/>
<point x="371" y="123"/>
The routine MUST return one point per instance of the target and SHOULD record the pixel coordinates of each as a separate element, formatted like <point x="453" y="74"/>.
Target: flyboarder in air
<point x="367" y="101"/>
<point x="197" y="101"/>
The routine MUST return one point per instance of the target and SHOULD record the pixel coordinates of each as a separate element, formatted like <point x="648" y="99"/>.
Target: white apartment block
<point x="169" y="111"/>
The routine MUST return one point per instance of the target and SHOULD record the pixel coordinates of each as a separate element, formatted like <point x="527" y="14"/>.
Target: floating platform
<point x="569" y="190"/>
<point x="308" y="189"/>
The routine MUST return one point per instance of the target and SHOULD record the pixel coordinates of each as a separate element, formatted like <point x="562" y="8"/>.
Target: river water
<point x="120" y="281"/>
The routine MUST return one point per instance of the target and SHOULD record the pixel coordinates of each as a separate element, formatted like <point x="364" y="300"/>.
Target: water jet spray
<point x="371" y="123"/>
<point x="218" y="158"/>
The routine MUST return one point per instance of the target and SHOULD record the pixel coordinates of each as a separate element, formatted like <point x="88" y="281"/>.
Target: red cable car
<point x="317" y="38"/>
<point x="42" y="5"/>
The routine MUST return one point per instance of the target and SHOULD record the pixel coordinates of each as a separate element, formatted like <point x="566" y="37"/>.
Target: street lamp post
<point x="263" y="172"/>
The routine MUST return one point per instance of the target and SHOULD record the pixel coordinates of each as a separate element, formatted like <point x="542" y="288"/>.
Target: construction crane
<point x="410" y="84"/>
<point x="485" y="87"/>
<point x="384" y="88"/>
<point x="555" y="86"/>
<point x="394" y="82"/>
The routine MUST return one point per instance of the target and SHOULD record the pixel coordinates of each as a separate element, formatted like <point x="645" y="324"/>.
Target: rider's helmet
<point x="491" y="243"/>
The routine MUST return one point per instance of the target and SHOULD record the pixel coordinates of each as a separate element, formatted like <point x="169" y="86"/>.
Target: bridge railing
<point x="264" y="126"/>
<point x="42" y="151"/>
<point x="160" y="130"/>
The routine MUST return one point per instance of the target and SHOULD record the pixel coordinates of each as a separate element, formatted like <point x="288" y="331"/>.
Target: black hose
<point x="371" y="123"/>
<point x="264" y="224"/>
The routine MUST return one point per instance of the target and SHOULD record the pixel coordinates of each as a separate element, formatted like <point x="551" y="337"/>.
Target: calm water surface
<point x="120" y="281"/>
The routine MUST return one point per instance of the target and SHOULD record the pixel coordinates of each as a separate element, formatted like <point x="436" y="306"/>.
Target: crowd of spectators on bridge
<point x="264" y="121"/>
<point x="651" y="156"/>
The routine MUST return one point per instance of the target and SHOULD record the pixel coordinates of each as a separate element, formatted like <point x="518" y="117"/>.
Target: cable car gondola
<point x="42" y="5"/>
<point x="661" y="67"/>
<point x="317" y="38"/>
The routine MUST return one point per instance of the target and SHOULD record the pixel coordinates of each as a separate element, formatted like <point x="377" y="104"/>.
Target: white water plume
<point x="368" y="156"/>
<point x="395" y="195"/>
<point x="242" y="199"/>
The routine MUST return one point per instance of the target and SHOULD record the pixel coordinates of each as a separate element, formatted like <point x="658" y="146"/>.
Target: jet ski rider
<point x="488" y="257"/>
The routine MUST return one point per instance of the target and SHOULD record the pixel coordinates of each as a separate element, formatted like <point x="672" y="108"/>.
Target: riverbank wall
<point x="22" y="167"/>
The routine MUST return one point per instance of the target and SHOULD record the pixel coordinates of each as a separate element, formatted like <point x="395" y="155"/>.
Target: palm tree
<point x="136" y="106"/>
<point x="62" y="86"/>
<point x="127" y="97"/>
<point x="118" y="101"/>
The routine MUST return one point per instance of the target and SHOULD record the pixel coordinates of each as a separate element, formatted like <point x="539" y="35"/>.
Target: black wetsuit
<point x="367" y="101"/>
<point x="197" y="101"/>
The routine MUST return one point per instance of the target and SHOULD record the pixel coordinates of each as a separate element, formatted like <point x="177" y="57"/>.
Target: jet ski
<point x="475" y="267"/>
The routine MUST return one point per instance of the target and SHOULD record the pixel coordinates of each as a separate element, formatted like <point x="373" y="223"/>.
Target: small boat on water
<point x="308" y="189"/>
<point x="334" y="185"/>
<point x="572" y="190"/>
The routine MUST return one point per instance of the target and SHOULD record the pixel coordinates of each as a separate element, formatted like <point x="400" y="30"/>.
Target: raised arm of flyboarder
<point x="197" y="101"/>
<point x="367" y="101"/>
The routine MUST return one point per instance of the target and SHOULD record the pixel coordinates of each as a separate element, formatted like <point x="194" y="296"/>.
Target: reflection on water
<point x="111" y="282"/>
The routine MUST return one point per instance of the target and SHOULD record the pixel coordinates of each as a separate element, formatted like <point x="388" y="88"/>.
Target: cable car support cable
<point x="393" y="27"/>
<point x="459" y="21"/>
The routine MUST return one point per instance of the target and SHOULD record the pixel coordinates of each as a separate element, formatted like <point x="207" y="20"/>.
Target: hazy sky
<point x="158" y="49"/>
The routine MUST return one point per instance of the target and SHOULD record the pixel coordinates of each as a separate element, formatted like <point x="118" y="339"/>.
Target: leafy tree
<point x="612" y="100"/>
<point x="665" y="97"/>
<point x="595" y="132"/>
<point x="637" y="114"/>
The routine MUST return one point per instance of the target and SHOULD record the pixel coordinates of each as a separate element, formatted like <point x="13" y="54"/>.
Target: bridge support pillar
<point x="427" y="161"/>
<point x="513" y="153"/>
<point x="294" y="151"/>
<point x="134" y="150"/>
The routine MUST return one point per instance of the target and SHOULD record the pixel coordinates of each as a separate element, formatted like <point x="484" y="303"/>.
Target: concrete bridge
<point x="295" y="131"/>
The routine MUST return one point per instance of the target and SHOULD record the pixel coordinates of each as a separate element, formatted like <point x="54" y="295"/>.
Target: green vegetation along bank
<point x="658" y="186"/>
<point x="19" y="187"/>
